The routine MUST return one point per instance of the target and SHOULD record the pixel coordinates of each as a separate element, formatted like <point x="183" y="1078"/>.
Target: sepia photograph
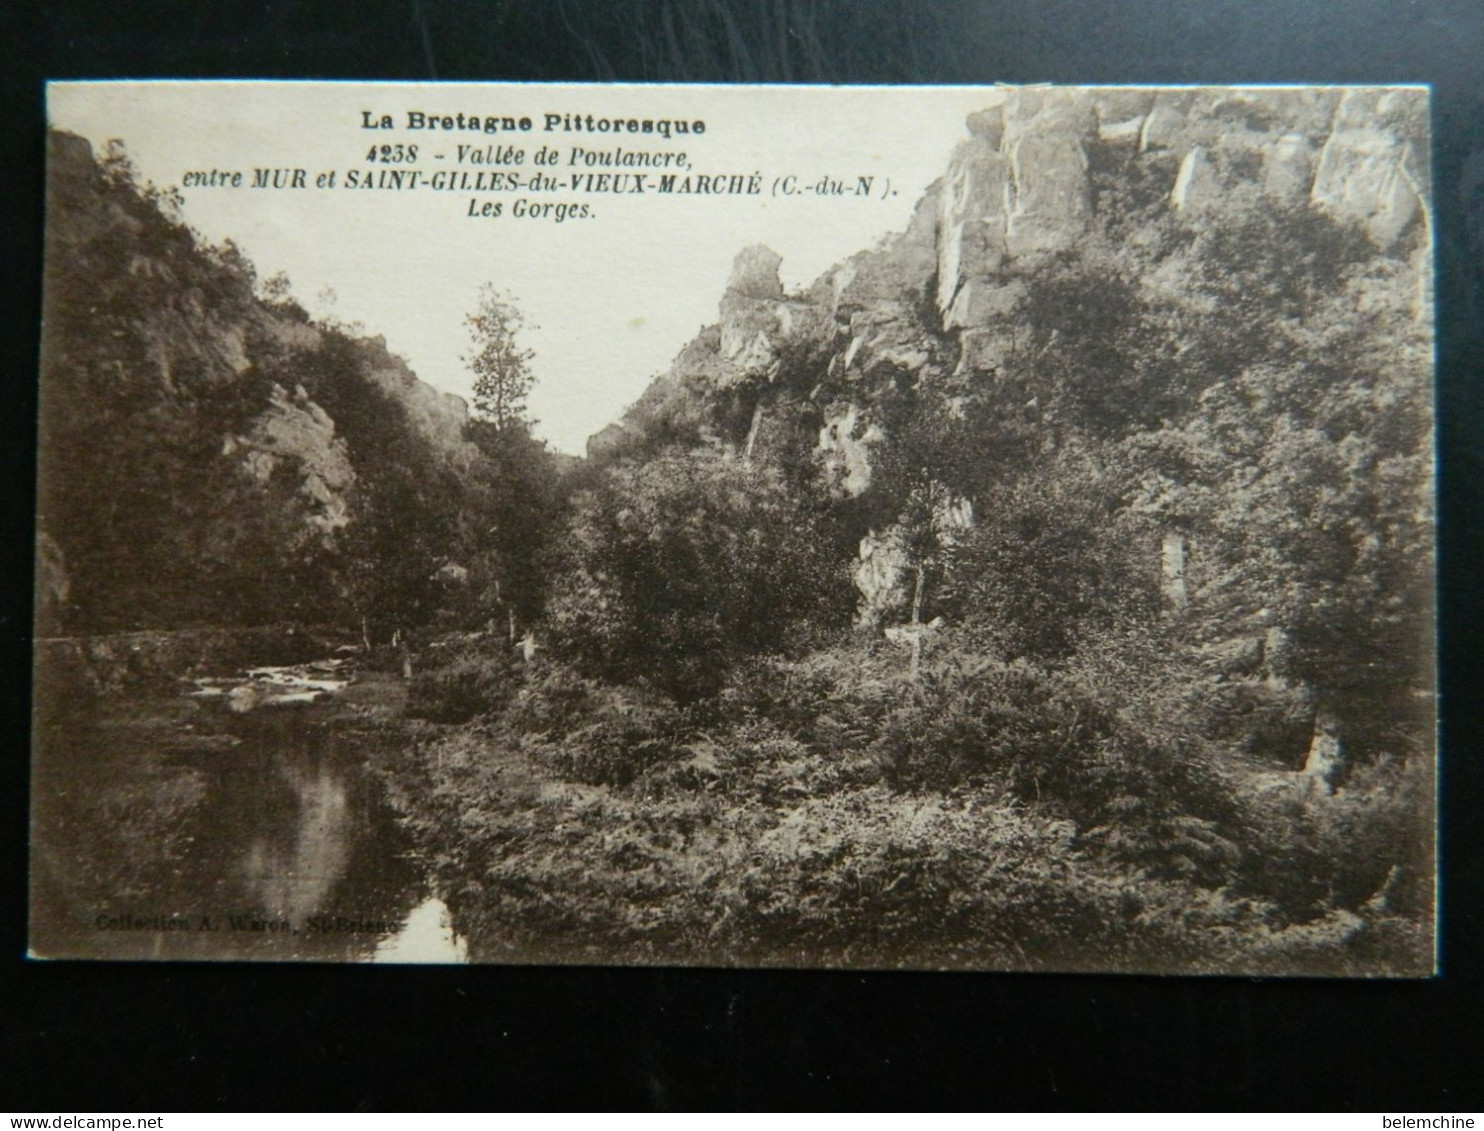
<point x="934" y="528"/>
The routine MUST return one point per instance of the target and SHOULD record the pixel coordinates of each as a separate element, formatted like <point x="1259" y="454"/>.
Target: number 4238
<point x="397" y="154"/>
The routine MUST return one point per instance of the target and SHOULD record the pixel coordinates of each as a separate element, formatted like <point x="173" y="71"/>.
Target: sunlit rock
<point x="1288" y="168"/>
<point x="845" y="446"/>
<point x="1366" y="171"/>
<point x="1197" y="185"/>
<point x="880" y="577"/>
<point x="1051" y="197"/>
<point x="972" y="221"/>
<point x="296" y="433"/>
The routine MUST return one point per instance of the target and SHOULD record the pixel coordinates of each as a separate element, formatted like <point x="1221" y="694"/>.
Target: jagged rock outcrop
<point x="1105" y="288"/>
<point x="1049" y="199"/>
<point x="1197" y="184"/>
<point x="880" y="576"/>
<point x="1365" y="172"/>
<point x="845" y="446"/>
<point x="1020" y="189"/>
<point x="859" y="327"/>
<point x="295" y="434"/>
<point x="232" y="445"/>
<point x="612" y="440"/>
<point x="758" y="321"/>
<point x="876" y="298"/>
<point x="439" y="418"/>
<point x="945" y="308"/>
<point x="1288" y="168"/>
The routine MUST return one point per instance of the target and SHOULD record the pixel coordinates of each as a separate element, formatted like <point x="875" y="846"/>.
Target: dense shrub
<point x="758" y="760"/>
<point x="714" y="870"/>
<point x="1144" y="789"/>
<point x="680" y="567"/>
<point x="1371" y="842"/>
<point x="462" y="681"/>
<point x="1171" y="511"/>
<point x="593" y="732"/>
<point x="1054" y="557"/>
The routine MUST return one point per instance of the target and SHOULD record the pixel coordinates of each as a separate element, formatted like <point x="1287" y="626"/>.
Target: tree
<point x="501" y="366"/>
<point x="677" y="567"/>
<point x="516" y="501"/>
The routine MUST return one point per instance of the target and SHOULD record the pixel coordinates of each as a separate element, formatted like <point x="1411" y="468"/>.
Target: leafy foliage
<point x="677" y="567"/>
<point x="165" y="501"/>
<point x="1176" y="527"/>
<point x="461" y="680"/>
<point x="501" y="365"/>
<point x="1090" y="757"/>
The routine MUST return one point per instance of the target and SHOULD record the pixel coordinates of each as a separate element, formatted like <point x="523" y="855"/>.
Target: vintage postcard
<point x="938" y="528"/>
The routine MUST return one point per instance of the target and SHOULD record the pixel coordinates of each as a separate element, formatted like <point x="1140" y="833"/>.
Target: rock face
<point x="1364" y="173"/>
<point x="1049" y="199"/>
<point x="757" y="320"/>
<point x="231" y="439"/>
<point x="845" y="445"/>
<point x="612" y="440"/>
<point x="885" y="574"/>
<point x="1019" y="189"/>
<point x="439" y="418"/>
<point x="946" y="309"/>
<point x="295" y="433"/>
<point x="755" y="274"/>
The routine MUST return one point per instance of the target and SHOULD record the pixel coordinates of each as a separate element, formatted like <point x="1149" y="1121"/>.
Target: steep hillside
<point x="1048" y="587"/>
<point x="1209" y="308"/>
<point x="212" y="456"/>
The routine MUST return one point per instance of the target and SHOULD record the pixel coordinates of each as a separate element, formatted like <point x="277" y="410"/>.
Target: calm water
<point x="197" y="833"/>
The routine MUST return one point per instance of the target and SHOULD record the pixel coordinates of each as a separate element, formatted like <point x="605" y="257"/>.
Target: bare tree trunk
<point x="757" y="422"/>
<point x="1325" y="750"/>
<point x="917" y="626"/>
<point x="1172" y="560"/>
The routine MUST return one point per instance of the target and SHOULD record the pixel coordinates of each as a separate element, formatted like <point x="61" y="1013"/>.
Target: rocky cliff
<point x="1041" y="177"/>
<point x="1179" y="337"/>
<point x="1038" y="176"/>
<point x="206" y="453"/>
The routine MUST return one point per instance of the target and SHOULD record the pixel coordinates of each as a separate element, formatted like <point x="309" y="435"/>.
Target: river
<point x="225" y="826"/>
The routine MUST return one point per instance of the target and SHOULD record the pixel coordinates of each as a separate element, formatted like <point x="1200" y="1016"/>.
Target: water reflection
<point x="291" y="867"/>
<point x="283" y="846"/>
<point x="426" y="937"/>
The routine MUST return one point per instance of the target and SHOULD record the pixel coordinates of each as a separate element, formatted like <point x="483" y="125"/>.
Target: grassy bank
<point x="778" y="824"/>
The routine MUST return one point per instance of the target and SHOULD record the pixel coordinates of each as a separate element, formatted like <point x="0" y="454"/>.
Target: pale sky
<point x="609" y="300"/>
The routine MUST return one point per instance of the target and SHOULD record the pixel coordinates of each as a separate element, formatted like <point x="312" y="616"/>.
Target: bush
<point x="1138" y="784"/>
<point x="1030" y="824"/>
<point x="832" y="700"/>
<point x="462" y="682"/>
<point x="1055" y="557"/>
<point x="679" y="568"/>
<point x="1370" y="842"/>
<point x="591" y="732"/>
<point x="756" y="760"/>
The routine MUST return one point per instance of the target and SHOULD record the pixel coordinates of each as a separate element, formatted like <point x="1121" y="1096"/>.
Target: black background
<point x="118" y="1037"/>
